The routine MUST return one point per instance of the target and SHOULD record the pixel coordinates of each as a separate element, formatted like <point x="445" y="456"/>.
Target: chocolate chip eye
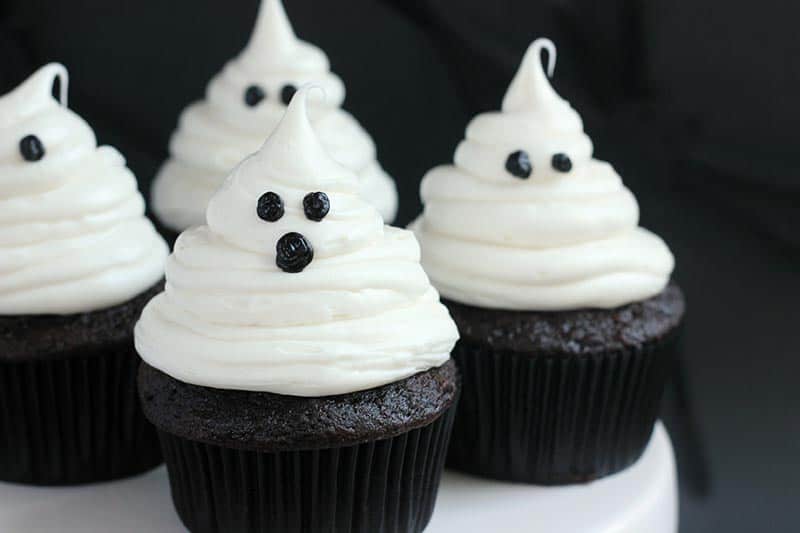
<point x="270" y="207"/>
<point x="294" y="253"/>
<point x="561" y="162"/>
<point x="287" y="93"/>
<point x="518" y="164"/>
<point x="31" y="148"/>
<point x="253" y="95"/>
<point x="316" y="205"/>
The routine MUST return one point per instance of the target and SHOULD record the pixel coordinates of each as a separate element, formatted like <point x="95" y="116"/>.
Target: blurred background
<point x="695" y="102"/>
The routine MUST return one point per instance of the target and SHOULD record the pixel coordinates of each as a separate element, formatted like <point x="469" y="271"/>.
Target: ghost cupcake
<point x="564" y="304"/>
<point x="78" y="261"/>
<point x="297" y="365"/>
<point x="243" y="105"/>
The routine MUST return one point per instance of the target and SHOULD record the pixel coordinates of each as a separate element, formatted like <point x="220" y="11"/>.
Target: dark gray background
<point x="694" y="101"/>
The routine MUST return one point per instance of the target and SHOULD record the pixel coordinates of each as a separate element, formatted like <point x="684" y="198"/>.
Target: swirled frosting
<point x="360" y="315"/>
<point x="215" y="134"/>
<point x="73" y="236"/>
<point x="565" y="236"/>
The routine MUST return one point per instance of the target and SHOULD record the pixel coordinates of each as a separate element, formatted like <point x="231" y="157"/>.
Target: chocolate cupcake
<point x="79" y="261"/>
<point x="297" y="366"/>
<point x="564" y="306"/>
<point x="243" y="104"/>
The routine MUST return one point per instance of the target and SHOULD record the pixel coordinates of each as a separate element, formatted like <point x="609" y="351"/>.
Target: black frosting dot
<point x="316" y="205"/>
<point x="294" y="253"/>
<point x="31" y="148"/>
<point x="518" y="164"/>
<point x="287" y="93"/>
<point x="561" y="162"/>
<point x="253" y="95"/>
<point x="270" y="207"/>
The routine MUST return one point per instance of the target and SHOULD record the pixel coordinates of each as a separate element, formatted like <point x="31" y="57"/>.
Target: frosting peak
<point x="294" y="155"/>
<point x="526" y="218"/>
<point x="530" y="88"/>
<point x="243" y="104"/>
<point x="273" y="43"/>
<point x="311" y="296"/>
<point x="73" y="236"/>
<point x="531" y="92"/>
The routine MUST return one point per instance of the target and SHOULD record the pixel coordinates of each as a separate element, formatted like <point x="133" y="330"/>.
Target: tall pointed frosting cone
<point x="295" y="156"/>
<point x="272" y="28"/>
<point x="273" y="42"/>
<point x="530" y="90"/>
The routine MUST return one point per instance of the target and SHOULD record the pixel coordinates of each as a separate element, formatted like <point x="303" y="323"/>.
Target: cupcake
<point x="78" y="262"/>
<point x="297" y="366"/>
<point x="564" y="305"/>
<point x="243" y="105"/>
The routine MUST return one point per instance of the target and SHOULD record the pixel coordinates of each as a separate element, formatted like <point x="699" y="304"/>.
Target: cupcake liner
<point x="381" y="486"/>
<point x="74" y="420"/>
<point x="552" y="418"/>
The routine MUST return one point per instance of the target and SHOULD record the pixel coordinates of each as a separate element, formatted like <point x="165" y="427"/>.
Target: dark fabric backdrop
<point x="694" y="101"/>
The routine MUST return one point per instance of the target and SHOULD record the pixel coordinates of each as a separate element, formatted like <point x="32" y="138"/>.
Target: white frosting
<point x="360" y="315"/>
<point x="215" y="134"/>
<point x="554" y="241"/>
<point x="73" y="236"/>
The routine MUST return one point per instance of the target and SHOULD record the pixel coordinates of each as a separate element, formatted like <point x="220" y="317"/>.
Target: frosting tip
<point x="530" y="87"/>
<point x="295" y="123"/>
<point x="533" y="54"/>
<point x="273" y="30"/>
<point x="39" y="86"/>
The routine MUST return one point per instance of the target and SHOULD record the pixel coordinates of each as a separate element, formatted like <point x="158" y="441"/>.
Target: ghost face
<point x="293" y="251"/>
<point x="255" y="95"/>
<point x="519" y="165"/>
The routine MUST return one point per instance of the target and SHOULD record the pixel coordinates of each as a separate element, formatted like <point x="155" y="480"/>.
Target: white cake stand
<point x="643" y="498"/>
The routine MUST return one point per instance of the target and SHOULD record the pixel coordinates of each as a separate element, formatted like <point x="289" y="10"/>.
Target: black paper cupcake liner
<point x="382" y="486"/>
<point x="74" y="420"/>
<point x="556" y="419"/>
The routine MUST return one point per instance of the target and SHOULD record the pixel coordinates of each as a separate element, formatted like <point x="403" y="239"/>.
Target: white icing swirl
<point x="360" y="315"/>
<point x="554" y="241"/>
<point x="73" y="236"/>
<point x="215" y="134"/>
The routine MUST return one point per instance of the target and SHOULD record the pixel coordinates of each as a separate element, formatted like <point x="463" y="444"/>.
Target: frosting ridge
<point x="360" y="314"/>
<point x="526" y="218"/>
<point x="216" y="133"/>
<point x="73" y="235"/>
